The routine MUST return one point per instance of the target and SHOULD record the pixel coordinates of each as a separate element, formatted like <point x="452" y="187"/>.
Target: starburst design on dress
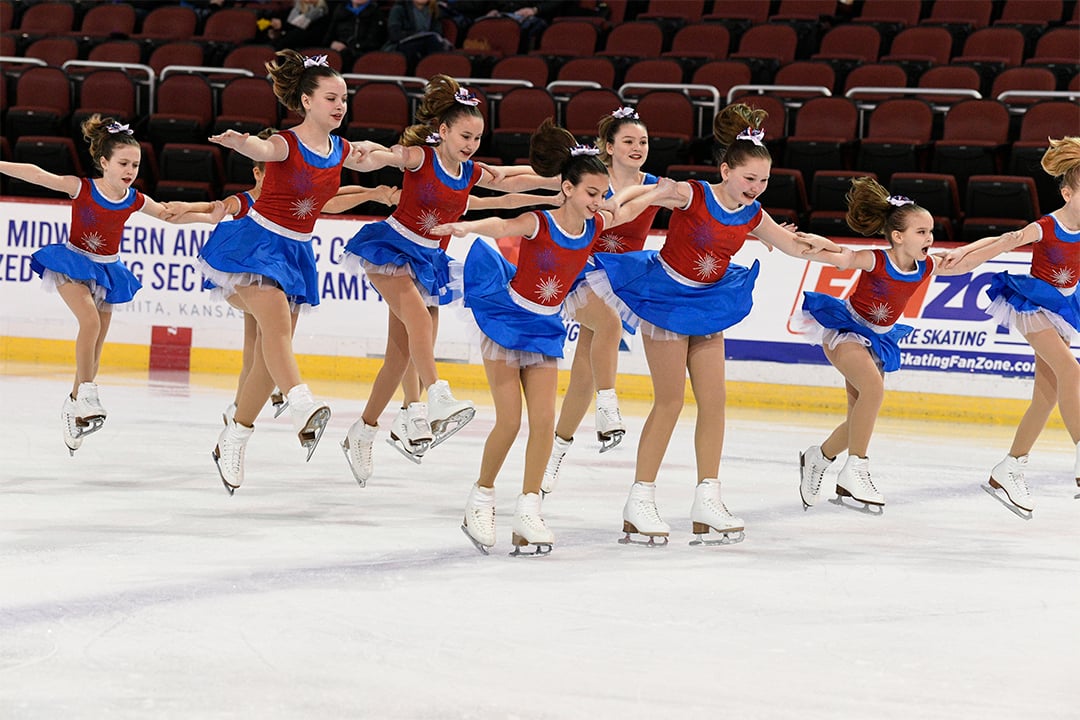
<point x="548" y="289"/>
<point x="879" y="313"/>
<point x="93" y="241"/>
<point x="707" y="266"/>
<point x="1063" y="276"/>
<point x="611" y="242"/>
<point x="428" y="220"/>
<point x="303" y="207"/>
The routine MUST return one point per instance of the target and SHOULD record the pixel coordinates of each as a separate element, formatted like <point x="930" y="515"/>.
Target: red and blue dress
<point x="91" y="255"/>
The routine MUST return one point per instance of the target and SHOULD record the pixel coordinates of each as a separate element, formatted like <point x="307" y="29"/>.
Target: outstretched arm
<point x="512" y="201"/>
<point x="368" y="156"/>
<point x="800" y="244"/>
<point x="966" y="258"/>
<point x="177" y="211"/>
<point x="161" y="212"/>
<point x="490" y="227"/>
<point x="273" y="149"/>
<point x="67" y="184"/>
<point x="349" y="196"/>
<point x="516" y="178"/>
<point x="630" y="202"/>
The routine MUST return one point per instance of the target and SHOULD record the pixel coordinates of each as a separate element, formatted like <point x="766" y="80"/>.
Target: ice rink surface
<point x="133" y="586"/>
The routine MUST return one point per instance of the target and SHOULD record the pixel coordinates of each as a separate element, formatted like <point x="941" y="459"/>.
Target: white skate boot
<point x="554" y="464"/>
<point x="410" y="433"/>
<point x="479" y="522"/>
<point x="854" y="482"/>
<point x="359" y="451"/>
<point x="529" y="528"/>
<point x="812" y="467"/>
<point x="710" y="513"/>
<point x="228" y="454"/>
<point x="89" y="414"/>
<point x="279" y="402"/>
<point x="609" y="423"/>
<point x="641" y="517"/>
<point x="1008" y="476"/>
<point x="309" y="417"/>
<point x="72" y="432"/>
<point x="228" y="413"/>
<point x="446" y="414"/>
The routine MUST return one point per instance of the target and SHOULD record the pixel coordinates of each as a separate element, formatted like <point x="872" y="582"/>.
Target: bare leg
<point x="541" y="385"/>
<point x="404" y="301"/>
<point x="580" y="389"/>
<point x="251" y="330"/>
<point x="1057" y="381"/>
<point x="271" y="311"/>
<point x="857" y="366"/>
<point x="837" y="442"/>
<point x="410" y="383"/>
<point x="258" y="385"/>
<point x="606" y="327"/>
<point x="505" y="384"/>
<point x="90" y="337"/>
<point x="395" y="361"/>
<point x="667" y="366"/>
<point x="705" y="362"/>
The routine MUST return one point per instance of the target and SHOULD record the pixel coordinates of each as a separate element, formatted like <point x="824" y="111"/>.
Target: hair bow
<point x="584" y="150"/>
<point x="900" y="201"/>
<point x="465" y="97"/>
<point x="433" y="139"/>
<point x="115" y="127"/>
<point x="755" y="136"/>
<point x="316" y="61"/>
<point x="625" y="112"/>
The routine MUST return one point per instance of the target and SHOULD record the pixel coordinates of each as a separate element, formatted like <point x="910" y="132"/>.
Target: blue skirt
<point x="379" y="244"/>
<point x="112" y="280"/>
<point x="242" y="252"/>
<point x="640" y="282"/>
<point x="1027" y="294"/>
<point x="487" y="282"/>
<point x="835" y="315"/>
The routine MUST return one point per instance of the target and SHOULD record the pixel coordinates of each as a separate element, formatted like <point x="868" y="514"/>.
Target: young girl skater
<point x="623" y="140"/>
<point x="264" y="263"/>
<point x="1044" y="308"/>
<point x="684" y="296"/>
<point x="860" y="335"/>
<point x="86" y="271"/>
<point x="518" y="313"/>
<point x="407" y="263"/>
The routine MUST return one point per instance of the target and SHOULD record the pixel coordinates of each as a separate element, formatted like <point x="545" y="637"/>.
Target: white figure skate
<point x="89" y="414"/>
<point x="1008" y="477"/>
<point x="309" y="417"/>
<point x="228" y="414"/>
<point x="410" y="433"/>
<point x="446" y="414"/>
<point x="72" y="432"/>
<point x="479" y="522"/>
<point x="610" y="427"/>
<point x="710" y="513"/>
<point x="554" y="464"/>
<point x="228" y="454"/>
<point x="812" y="467"/>
<point x="854" y="482"/>
<point x="359" y="450"/>
<point x="640" y="517"/>
<point x="530" y="529"/>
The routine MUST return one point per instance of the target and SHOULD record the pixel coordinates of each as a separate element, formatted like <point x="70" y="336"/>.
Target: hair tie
<point x="900" y="201"/>
<point x="584" y="150"/>
<point x="624" y="113"/>
<point x="316" y="61"/>
<point x="755" y="136"/>
<point x="433" y="139"/>
<point x="115" y="127"/>
<point x="465" y="97"/>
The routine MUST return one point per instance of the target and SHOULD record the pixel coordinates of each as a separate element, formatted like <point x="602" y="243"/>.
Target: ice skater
<point x="518" y="311"/>
<point x="1043" y="307"/>
<point x="623" y="140"/>
<point x="684" y="297"/>
<point x="86" y="271"/>
<point x="861" y="335"/>
<point x="406" y="262"/>
<point x="263" y="264"/>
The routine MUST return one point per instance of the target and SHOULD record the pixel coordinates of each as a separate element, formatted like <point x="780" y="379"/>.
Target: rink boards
<point x="956" y="350"/>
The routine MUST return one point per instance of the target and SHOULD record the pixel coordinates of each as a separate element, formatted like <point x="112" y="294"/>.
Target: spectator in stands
<point x="356" y="27"/>
<point x="414" y="28"/>
<point x="305" y="25"/>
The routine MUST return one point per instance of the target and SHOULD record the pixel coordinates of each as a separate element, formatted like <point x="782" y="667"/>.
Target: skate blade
<point x="362" y="482"/>
<point x="1015" y="509"/>
<point x="866" y="509"/>
<point x="446" y="429"/>
<point x="400" y="447"/>
<point x="231" y="488"/>
<point x="312" y="432"/>
<point x="629" y="539"/>
<point x="611" y="440"/>
<point x="71" y="451"/>
<point x="539" y="550"/>
<point x="476" y="543"/>
<point x="89" y="426"/>
<point x="728" y="537"/>
<point x="280" y="405"/>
